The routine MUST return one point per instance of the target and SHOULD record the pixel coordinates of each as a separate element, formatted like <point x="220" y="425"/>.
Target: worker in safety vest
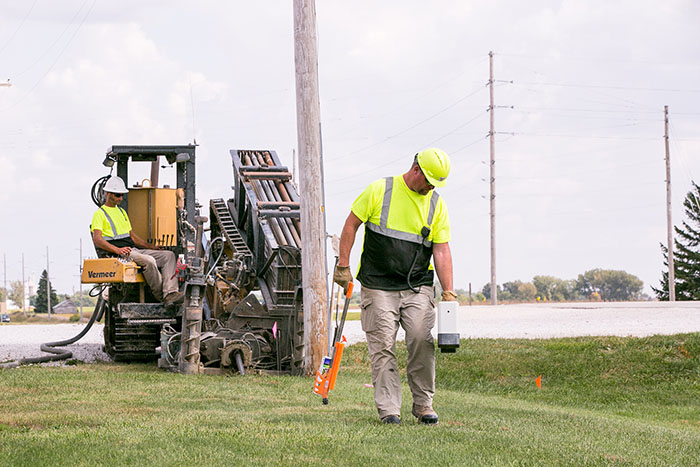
<point x="113" y="236"/>
<point x="406" y="223"/>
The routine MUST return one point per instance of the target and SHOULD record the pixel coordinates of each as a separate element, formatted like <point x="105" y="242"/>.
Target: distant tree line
<point x="596" y="284"/>
<point x="39" y="300"/>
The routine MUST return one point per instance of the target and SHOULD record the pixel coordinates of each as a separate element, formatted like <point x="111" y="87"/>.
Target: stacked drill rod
<point x="273" y="195"/>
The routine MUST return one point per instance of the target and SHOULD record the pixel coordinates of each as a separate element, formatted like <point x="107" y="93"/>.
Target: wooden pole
<point x="80" y="275"/>
<point x="313" y="235"/>
<point x="4" y="266"/>
<point x="24" y="311"/>
<point x="669" y="222"/>
<point x="48" y="285"/>
<point x="492" y="184"/>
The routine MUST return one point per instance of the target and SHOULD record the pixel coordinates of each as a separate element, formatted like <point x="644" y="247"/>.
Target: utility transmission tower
<point x="492" y="182"/>
<point x="669" y="222"/>
<point x="313" y="258"/>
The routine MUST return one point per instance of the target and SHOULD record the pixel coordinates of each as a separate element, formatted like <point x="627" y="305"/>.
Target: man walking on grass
<point x="406" y="223"/>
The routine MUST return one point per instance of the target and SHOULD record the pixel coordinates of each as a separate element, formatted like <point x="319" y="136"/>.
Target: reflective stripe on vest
<point x="114" y="229"/>
<point x="397" y="234"/>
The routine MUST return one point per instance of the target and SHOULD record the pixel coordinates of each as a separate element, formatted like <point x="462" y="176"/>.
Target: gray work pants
<point x="158" y="269"/>
<point x="382" y="312"/>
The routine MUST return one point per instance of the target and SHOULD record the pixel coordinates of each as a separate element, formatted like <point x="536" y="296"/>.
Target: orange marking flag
<point x="538" y="381"/>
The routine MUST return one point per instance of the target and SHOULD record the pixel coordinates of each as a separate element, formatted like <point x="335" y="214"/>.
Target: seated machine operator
<point x="113" y="236"/>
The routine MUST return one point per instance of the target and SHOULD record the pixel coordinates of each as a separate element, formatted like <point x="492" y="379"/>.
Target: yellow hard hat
<point x="435" y="164"/>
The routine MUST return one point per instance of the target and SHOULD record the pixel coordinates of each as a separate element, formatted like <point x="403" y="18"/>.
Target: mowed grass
<point x="604" y="401"/>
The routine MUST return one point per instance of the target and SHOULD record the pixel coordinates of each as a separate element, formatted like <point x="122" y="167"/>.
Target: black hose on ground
<point x="50" y="347"/>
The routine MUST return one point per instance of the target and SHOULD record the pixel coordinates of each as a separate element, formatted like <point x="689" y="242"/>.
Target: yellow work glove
<point x="449" y="296"/>
<point x="342" y="276"/>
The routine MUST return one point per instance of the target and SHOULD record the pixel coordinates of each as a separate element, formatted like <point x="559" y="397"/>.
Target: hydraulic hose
<point x="96" y="192"/>
<point x="50" y="347"/>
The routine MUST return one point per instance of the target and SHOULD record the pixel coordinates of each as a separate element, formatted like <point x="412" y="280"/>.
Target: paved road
<point x="542" y="320"/>
<point x="506" y="321"/>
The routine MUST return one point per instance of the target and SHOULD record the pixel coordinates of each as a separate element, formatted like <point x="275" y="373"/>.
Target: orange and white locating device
<point x="328" y="371"/>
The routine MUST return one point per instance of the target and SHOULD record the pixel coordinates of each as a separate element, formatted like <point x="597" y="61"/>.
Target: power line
<point x="597" y="59"/>
<point x="455" y="151"/>
<point x="60" y="54"/>
<point x="589" y="117"/>
<point x="431" y="90"/>
<point x="603" y="86"/>
<point x="406" y="130"/>
<point x="346" y="177"/>
<point x="576" y="213"/>
<point x="577" y="170"/>
<point x="574" y="109"/>
<point x="559" y="194"/>
<point x="471" y="120"/>
<point x="18" y="28"/>
<point x="554" y="135"/>
<point x="414" y="99"/>
<point x="72" y="21"/>
<point x="677" y="150"/>
<point x="619" y="125"/>
<point x="567" y="155"/>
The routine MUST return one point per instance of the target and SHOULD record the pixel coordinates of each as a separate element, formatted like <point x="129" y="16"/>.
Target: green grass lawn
<point x="604" y="401"/>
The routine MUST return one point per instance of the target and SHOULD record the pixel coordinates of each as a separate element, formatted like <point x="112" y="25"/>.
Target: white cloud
<point x="127" y="44"/>
<point x="41" y="160"/>
<point x="8" y="171"/>
<point x="194" y="86"/>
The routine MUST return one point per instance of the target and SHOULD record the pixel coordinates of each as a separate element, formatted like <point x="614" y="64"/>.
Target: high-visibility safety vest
<point x="401" y="226"/>
<point x="115" y="227"/>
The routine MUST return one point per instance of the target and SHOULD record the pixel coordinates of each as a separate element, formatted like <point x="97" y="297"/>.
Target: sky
<point x="580" y="89"/>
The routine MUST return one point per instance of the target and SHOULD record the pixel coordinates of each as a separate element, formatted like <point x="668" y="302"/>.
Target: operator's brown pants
<point x="382" y="312"/>
<point x="158" y="270"/>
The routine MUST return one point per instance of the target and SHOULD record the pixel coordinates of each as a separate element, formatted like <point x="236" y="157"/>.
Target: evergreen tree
<point x="686" y="255"/>
<point x="41" y="295"/>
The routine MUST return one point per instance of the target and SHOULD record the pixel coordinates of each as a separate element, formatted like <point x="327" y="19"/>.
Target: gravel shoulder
<point x="530" y="321"/>
<point x="23" y="341"/>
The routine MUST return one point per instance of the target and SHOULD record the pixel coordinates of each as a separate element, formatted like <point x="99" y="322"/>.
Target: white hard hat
<point x="115" y="185"/>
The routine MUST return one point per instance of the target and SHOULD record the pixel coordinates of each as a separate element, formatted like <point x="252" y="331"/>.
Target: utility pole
<point x="48" y="285"/>
<point x="669" y="222"/>
<point x="80" y="276"/>
<point x="24" y="311"/>
<point x="313" y="234"/>
<point x="492" y="178"/>
<point x="4" y="267"/>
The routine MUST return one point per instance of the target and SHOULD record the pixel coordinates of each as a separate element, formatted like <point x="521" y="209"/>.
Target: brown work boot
<point x="174" y="298"/>
<point x="425" y="415"/>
